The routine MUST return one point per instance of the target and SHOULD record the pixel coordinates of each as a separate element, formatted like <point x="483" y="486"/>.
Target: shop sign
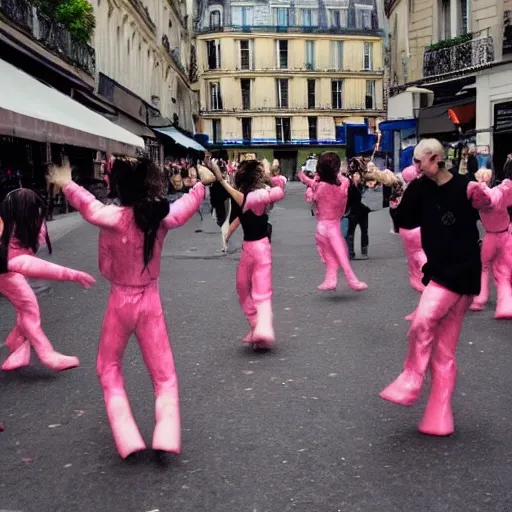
<point x="503" y="117"/>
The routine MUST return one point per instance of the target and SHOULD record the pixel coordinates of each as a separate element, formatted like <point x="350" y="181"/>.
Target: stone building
<point x="283" y="78"/>
<point x="450" y="68"/>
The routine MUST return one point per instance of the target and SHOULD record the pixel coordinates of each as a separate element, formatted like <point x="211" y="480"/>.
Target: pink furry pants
<point x="138" y="310"/>
<point x="432" y="339"/>
<point x="496" y="254"/>
<point x="254" y="288"/>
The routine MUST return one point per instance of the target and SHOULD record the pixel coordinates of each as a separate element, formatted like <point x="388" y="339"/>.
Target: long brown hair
<point x="250" y="176"/>
<point x="22" y="212"/>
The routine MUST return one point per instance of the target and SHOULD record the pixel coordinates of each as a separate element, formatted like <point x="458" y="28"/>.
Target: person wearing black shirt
<point x="358" y="216"/>
<point x="444" y="206"/>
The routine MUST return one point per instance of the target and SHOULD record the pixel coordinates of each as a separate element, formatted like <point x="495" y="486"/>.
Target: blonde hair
<point x="428" y="147"/>
<point x="483" y="174"/>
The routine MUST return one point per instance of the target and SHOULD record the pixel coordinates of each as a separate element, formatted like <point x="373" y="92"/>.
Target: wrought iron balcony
<point x="295" y="110"/>
<point x="50" y="34"/>
<point x="450" y="57"/>
<point x="349" y="29"/>
<point x="174" y="53"/>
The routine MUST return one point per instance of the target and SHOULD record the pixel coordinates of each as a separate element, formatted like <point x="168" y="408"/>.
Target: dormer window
<point x="215" y="21"/>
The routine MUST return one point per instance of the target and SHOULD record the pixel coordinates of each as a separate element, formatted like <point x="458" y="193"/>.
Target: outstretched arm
<point x="185" y="207"/>
<point x="30" y="266"/>
<point x="232" y="228"/>
<point x="386" y="177"/>
<point x="307" y="181"/>
<point x="233" y="192"/>
<point x="482" y="197"/>
<point x="92" y="210"/>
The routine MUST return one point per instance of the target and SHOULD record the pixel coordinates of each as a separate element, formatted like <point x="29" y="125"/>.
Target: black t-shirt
<point x="255" y="227"/>
<point x="449" y="233"/>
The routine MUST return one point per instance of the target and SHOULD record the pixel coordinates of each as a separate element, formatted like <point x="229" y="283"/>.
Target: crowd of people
<point x="434" y="210"/>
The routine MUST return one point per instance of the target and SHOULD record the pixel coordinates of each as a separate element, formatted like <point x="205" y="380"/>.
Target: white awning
<point x="180" y="139"/>
<point x="31" y="110"/>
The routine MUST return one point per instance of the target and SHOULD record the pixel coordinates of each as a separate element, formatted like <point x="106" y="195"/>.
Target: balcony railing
<point x="357" y="107"/>
<point x="174" y="53"/>
<point x="467" y="56"/>
<point x="50" y="34"/>
<point x="278" y="70"/>
<point x="350" y="28"/>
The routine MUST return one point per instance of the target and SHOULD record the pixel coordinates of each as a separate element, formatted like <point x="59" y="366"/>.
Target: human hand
<point x="216" y="170"/>
<point x="84" y="279"/>
<point x="60" y="176"/>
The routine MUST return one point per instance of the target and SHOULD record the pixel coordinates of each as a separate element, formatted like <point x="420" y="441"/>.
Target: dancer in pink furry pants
<point x="130" y="247"/>
<point x="443" y="206"/>
<point x="330" y="193"/>
<point x="254" y="274"/>
<point x="21" y="232"/>
<point x="496" y="247"/>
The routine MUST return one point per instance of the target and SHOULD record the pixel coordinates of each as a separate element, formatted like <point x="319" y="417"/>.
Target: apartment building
<point x="450" y="69"/>
<point x="283" y="81"/>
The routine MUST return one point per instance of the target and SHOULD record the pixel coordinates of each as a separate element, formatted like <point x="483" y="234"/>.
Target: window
<point x="282" y="93"/>
<point x="444" y="20"/>
<point x="312" y="126"/>
<point x="337" y="94"/>
<point x="311" y="93"/>
<point x="247" y="129"/>
<point x="337" y="55"/>
<point x="310" y="55"/>
<point x="465" y="9"/>
<point x="213" y="51"/>
<point x="339" y="18"/>
<point x="307" y="17"/>
<point x="283" y="130"/>
<point x="368" y="56"/>
<point x="215" y="97"/>
<point x="282" y="54"/>
<point x="281" y="17"/>
<point x="215" y="19"/>
<point x="370" y="94"/>
<point x="364" y="17"/>
<point x="242" y="16"/>
<point x="216" y="131"/>
<point x="245" y="86"/>
<point x="246" y="54"/>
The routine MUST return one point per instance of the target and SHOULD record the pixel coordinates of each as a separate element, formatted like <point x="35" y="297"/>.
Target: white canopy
<point x="31" y="110"/>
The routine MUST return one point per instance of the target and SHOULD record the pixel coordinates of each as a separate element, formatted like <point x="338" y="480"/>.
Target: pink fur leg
<point x="331" y="230"/>
<point x="502" y="269"/>
<point x="330" y="281"/>
<point x="435" y="303"/>
<point x="19" y="349"/>
<point x="438" y="416"/>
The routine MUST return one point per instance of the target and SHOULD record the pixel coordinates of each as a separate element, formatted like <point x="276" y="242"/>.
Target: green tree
<point x="78" y="17"/>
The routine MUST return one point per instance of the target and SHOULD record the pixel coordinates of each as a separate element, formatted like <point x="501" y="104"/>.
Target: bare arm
<point x="232" y="228"/>
<point x="233" y="192"/>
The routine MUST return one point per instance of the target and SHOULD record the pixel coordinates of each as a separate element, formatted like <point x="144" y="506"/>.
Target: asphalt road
<point x="299" y="429"/>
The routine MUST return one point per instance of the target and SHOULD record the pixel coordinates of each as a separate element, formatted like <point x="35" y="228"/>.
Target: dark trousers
<point x="360" y="220"/>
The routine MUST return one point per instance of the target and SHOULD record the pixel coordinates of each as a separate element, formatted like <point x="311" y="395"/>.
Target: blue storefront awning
<point x="397" y="125"/>
<point x="180" y="139"/>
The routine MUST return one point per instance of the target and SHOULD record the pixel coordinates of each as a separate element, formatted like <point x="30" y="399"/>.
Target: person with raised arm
<point x="254" y="275"/>
<point x="329" y="194"/>
<point x="21" y="231"/>
<point x="445" y="207"/>
<point x="130" y="250"/>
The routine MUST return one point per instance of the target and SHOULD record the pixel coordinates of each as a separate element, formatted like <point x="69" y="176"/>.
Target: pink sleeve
<point x="92" y="210"/>
<point x="258" y="200"/>
<point x="30" y="266"/>
<point x="185" y="207"/>
<point x="501" y="196"/>
<point x="480" y="195"/>
<point x="309" y="195"/>
<point x="307" y="181"/>
<point x="279" y="181"/>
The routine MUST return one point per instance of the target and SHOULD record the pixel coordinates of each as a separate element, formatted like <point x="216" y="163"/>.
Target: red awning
<point x="463" y="114"/>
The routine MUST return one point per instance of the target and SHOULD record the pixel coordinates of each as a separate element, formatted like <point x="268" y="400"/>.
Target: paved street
<point x="299" y="429"/>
